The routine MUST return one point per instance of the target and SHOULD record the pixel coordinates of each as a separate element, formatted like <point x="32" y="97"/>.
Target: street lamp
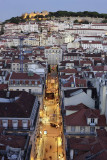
<point x="45" y="132"/>
<point x="59" y="156"/>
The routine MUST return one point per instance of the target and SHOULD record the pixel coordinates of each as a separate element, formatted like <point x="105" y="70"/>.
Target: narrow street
<point x="51" y="129"/>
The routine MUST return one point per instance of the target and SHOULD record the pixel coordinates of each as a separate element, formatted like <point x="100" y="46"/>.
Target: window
<point x="23" y="82"/>
<point x="30" y="82"/>
<point x="5" y="123"/>
<point x="26" y="65"/>
<point x="17" y="82"/>
<point x="15" y="124"/>
<point x="92" y="120"/>
<point x="82" y="129"/>
<point x="29" y="90"/>
<point x="73" y="129"/>
<point x="11" y="82"/>
<point x="35" y="82"/>
<point x="92" y="129"/>
<point x="72" y="84"/>
<point x="25" y="124"/>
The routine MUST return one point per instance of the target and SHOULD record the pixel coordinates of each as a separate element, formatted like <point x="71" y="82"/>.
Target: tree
<point x="27" y="17"/>
<point x="76" y="21"/>
<point x="14" y="47"/>
<point x="104" y="21"/>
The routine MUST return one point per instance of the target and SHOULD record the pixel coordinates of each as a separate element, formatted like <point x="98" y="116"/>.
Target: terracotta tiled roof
<point x="18" y="76"/>
<point x="20" y="108"/>
<point x="101" y="132"/>
<point x="24" y="61"/>
<point x="92" y="113"/>
<point x="80" y="118"/>
<point x="12" y="141"/>
<point x="76" y="119"/>
<point x="78" y="82"/>
<point x="96" y="147"/>
<point x="101" y="120"/>
<point x="86" y="62"/>
<point x="65" y="76"/>
<point x="99" y="74"/>
<point x="98" y="68"/>
<point x="91" y="42"/>
<point x="76" y="107"/>
<point x="69" y="71"/>
<point x="3" y="87"/>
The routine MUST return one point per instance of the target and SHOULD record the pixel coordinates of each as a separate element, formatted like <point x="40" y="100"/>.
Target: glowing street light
<point x="59" y="156"/>
<point x="45" y="132"/>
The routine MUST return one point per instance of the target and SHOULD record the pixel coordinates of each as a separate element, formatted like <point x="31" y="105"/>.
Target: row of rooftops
<point x="89" y="148"/>
<point x="13" y="145"/>
<point x="79" y="118"/>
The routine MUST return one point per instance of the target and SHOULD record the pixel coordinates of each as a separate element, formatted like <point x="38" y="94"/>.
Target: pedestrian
<point x="50" y="146"/>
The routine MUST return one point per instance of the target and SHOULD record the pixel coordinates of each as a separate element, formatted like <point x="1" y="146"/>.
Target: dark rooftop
<point x="16" y="104"/>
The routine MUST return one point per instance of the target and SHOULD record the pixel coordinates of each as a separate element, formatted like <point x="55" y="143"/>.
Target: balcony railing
<point x="92" y="124"/>
<point x="79" y="133"/>
<point x="25" y="85"/>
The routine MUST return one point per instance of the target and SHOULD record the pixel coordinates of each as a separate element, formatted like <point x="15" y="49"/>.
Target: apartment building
<point x="15" y="146"/>
<point x="86" y="32"/>
<point x="17" y="64"/>
<point x="84" y="121"/>
<point x="53" y="55"/>
<point x="29" y="82"/>
<point x="92" y="44"/>
<point x="19" y="110"/>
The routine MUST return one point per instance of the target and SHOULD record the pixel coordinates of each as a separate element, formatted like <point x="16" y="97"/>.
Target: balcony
<point x="80" y="133"/>
<point x="24" y="85"/>
<point x="92" y="124"/>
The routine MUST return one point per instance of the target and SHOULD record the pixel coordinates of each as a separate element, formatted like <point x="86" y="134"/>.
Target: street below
<point x="51" y="144"/>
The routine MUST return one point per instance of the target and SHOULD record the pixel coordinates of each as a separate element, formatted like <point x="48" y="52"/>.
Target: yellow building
<point x="33" y="14"/>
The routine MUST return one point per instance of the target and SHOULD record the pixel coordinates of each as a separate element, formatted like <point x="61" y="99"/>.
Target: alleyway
<point x="51" y="127"/>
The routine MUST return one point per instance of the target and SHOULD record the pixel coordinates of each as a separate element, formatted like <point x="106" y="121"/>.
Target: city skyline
<point x="13" y="8"/>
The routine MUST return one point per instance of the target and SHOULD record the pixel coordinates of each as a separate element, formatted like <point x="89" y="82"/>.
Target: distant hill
<point x="48" y="15"/>
<point x="76" y="14"/>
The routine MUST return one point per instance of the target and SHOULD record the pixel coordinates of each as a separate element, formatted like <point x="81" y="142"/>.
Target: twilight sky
<point x="12" y="8"/>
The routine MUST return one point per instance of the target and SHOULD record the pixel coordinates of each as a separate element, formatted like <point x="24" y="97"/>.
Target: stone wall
<point x="95" y="20"/>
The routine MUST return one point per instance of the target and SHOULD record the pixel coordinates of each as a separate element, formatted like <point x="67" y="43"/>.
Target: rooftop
<point x="16" y="104"/>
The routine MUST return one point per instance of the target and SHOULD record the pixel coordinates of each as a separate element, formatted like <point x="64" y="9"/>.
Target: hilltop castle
<point x="33" y="14"/>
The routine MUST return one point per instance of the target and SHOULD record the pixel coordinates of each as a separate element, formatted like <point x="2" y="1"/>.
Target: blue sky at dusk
<point x="12" y="8"/>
